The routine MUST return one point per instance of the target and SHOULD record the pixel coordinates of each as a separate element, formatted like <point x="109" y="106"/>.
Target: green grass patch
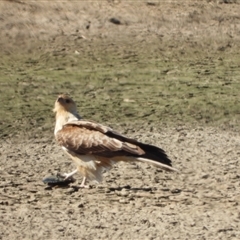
<point x="119" y="86"/>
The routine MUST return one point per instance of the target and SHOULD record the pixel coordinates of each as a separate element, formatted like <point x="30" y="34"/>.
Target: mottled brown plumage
<point x="94" y="147"/>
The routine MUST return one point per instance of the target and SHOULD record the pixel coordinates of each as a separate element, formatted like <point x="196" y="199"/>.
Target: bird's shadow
<point x="111" y="189"/>
<point x="59" y="182"/>
<point x="128" y="187"/>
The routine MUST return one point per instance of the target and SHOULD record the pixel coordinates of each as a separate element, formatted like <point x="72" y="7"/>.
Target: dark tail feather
<point x="153" y="153"/>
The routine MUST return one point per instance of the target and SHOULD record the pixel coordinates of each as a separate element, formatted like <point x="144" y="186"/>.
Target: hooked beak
<point x="60" y="100"/>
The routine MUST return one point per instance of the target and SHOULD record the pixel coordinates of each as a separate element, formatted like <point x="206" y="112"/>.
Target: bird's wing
<point x="85" y="137"/>
<point x="89" y="125"/>
<point x="103" y="129"/>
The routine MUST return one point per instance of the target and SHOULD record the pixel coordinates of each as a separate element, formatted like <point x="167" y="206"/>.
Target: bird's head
<point x="65" y="104"/>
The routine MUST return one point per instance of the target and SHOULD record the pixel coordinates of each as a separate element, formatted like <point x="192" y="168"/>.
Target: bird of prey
<point x="94" y="147"/>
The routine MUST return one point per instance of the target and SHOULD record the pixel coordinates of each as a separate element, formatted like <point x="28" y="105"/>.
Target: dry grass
<point x="193" y="22"/>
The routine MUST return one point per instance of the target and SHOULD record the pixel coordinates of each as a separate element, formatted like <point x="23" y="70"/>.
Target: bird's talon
<point x="66" y="176"/>
<point x="84" y="186"/>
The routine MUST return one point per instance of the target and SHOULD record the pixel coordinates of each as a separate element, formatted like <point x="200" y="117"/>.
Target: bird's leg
<point x="68" y="175"/>
<point x="83" y="183"/>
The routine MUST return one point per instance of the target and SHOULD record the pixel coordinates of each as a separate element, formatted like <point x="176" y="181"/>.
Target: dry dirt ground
<point x="135" y="201"/>
<point x="168" y="75"/>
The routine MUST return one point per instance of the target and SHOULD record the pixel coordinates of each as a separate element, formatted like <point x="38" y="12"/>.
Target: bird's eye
<point x="67" y="101"/>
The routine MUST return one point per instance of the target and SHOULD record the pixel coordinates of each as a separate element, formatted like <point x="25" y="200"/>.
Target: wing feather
<point x="89" y="125"/>
<point x="87" y="137"/>
<point x="82" y="140"/>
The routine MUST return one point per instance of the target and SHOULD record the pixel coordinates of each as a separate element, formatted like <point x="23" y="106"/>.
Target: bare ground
<point x="168" y="74"/>
<point x="135" y="201"/>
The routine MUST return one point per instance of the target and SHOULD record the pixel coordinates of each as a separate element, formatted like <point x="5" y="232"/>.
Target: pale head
<point x="64" y="103"/>
<point x="66" y="111"/>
